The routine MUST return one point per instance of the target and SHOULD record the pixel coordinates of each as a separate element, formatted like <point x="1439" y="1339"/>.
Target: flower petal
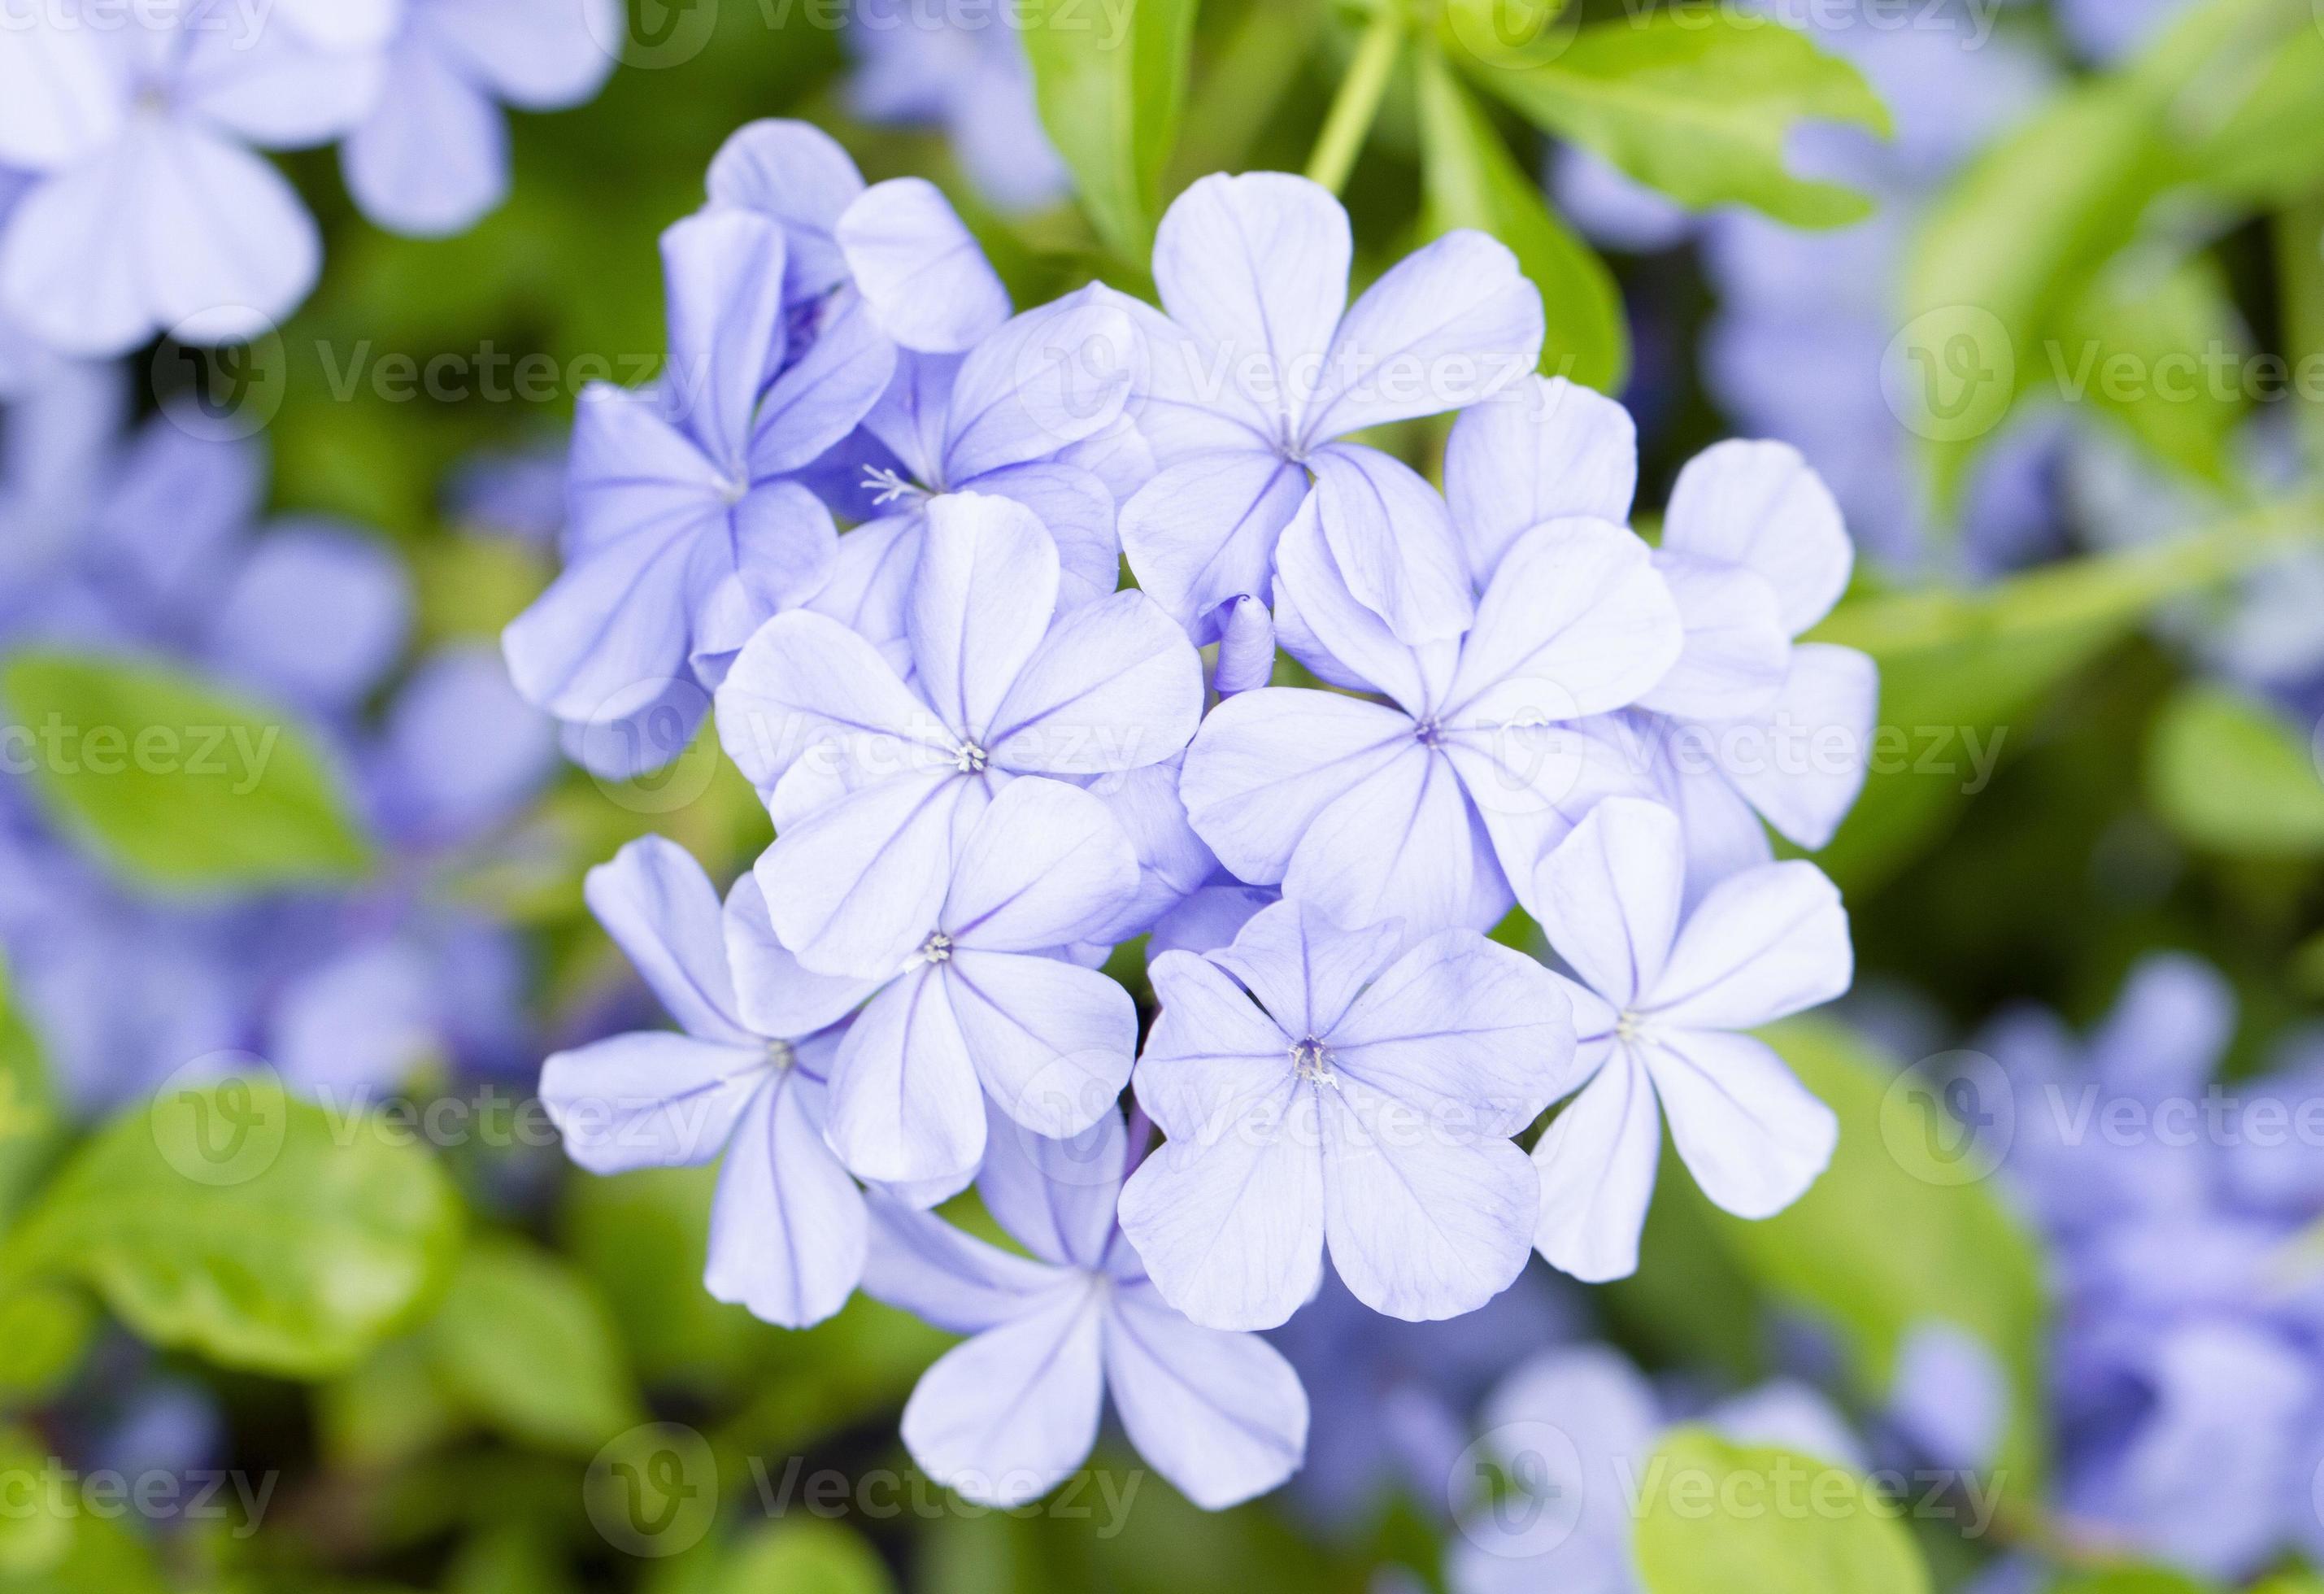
<point x="1321" y="620"/>
<point x="1760" y="506"/>
<point x="1078" y="512"/>
<point x="797" y="174"/>
<point x="830" y="386"/>
<point x="1576" y="621"/>
<point x="1044" y="380"/>
<point x="1114" y="685"/>
<point x="927" y="280"/>
<point x="1055" y="1195"/>
<point x="981" y="602"/>
<point x="787" y="1231"/>
<point x="1608" y="898"/>
<point x="1203" y="531"/>
<point x="1736" y="654"/>
<point x="1750" y="1133"/>
<point x="1266" y="763"/>
<point x="808" y="686"/>
<point x="1544" y="450"/>
<point x="1044" y="866"/>
<point x="723" y="273"/>
<point x="1006" y="1417"/>
<point x="1395" y="848"/>
<point x="953" y="1281"/>
<point x="543" y="55"/>
<point x="1051" y="1040"/>
<point x="1305" y="970"/>
<point x="1391" y="537"/>
<point x="853" y="887"/>
<point x="1221" y="1416"/>
<point x="1762" y="946"/>
<point x="431" y="160"/>
<point x="1597" y="1163"/>
<point x="651" y="1100"/>
<point x="776" y="997"/>
<point x="905" y="1105"/>
<point x="1210" y="1049"/>
<point x="1803" y="763"/>
<point x="1462" y="1026"/>
<point x="661" y="908"/>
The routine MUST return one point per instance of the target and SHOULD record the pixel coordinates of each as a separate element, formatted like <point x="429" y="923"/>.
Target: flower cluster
<point x="167" y="101"/>
<point x="988" y="767"/>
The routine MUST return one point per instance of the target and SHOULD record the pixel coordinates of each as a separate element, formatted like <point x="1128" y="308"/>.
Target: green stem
<point x="1359" y="99"/>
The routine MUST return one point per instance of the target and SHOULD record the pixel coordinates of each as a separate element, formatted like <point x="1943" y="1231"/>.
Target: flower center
<point x="970" y="759"/>
<point x="1428" y="733"/>
<point x="888" y="485"/>
<point x="733" y="489"/>
<point x="780" y="1056"/>
<point x="936" y="949"/>
<point x="1630" y="1027"/>
<point x="1312" y="1061"/>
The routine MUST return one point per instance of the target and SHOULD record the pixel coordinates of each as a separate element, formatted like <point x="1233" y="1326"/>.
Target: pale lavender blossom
<point x="1318" y="1088"/>
<point x="1256" y="375"/>
<point x="1007" y="1416"/>
<point x="745" y="1075"/>
<point x="432" y="158"/>
<point x="1661" y="1004"/>
<point x="218" y="247"/>
<point x="926" y="64"/>
<point x="1426" y="808"/>
<point x="872" y="782"/>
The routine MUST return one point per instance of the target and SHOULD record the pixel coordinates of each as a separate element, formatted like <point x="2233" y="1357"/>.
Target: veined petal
<point x="1802" y="762"/>
<point x="922" y="1265"/>
<point x="1051" y="1040"/>
<point x="1006" y="1417"/>
<point x="1461" y="1026"/>
<point x="797" y="174"/>
<point x="723" y="281"/>
<point x="1576" y="621"/>
<point x="1750" y="1133"/>
<point x="1762" y="946"/>
<point x="1597" y="1163"/>
<point x="1203" y="531"/>
<point x="651" y="1099"/>
<point x="1046" y="379"/>
<point x="1211" y="1048"/>
<point x="1394" y="848"/>
<point x="1608" y="898"/>
<point x="1115" y="685"/>
<point x="1319" y="612"/>
<point x="905" y="1105"/>
<point x="1392" y="539"/>
<point x="1424" y="1221"/>
<point x="928" y="281"/>
<point x="1266" y="763"/>
<point x="778" y="551"/>
<point x="831" y="386"/>
<point x="1305" y="970"/>
<point x="1737" y="653"/>
<point x="1055" y="1195"/>
<point x="1078" y="513"/>
<point x="787" y="1231"/>
<point x="659" y="908"/>
<point x="1760" y="506"/>
<point x="776" y="997"/>
<point x="805" y="682"/>
<point x="1529" y="785"/>
<point x="1045" y="867"/>
<point x="981" y="602"/>
<point x="1543" y="450"/>
<point x="855" y="886"/>
<point x="1221" y="1416"/>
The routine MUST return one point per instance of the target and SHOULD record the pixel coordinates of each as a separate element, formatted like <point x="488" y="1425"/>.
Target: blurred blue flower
<point x="961" y="69"/>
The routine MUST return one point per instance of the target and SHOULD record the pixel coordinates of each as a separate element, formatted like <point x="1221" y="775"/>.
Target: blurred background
<point x="2037" y="287"/>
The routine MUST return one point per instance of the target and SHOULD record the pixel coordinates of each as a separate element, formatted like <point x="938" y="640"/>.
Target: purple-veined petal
<point x="1114" y="685"/>
<point x="722" y="271"/>
<point x="778" y="551"/>
<point x="1449" y="326"/>
<point x="788" y="1232"/>
<point x="1004" y="1418"/>
<point x="928" y="281"/>
<point x="799" y="175"/>
<point x="871" y="583"/>
<point x="904" y="1104"/>
<point x="1078" y="512"/>
<point x="1305" y="970"/>
<point x="1256" y="268"/>
<point x="1051" y="1040"/>
<point x="1802" y="763"/>
<point x="855" y="886"/>
<point x="1229" y="1225"/>
<point x="611" y="632"/>
<point x="1208" y="919"/>
<point x="1055" y="1195"/>
<point x="1424" y="1219"/>
<point x="922" y="1265"/>
<point x="1190" y="402"/>
<point x="773" y="994"/>
<point x="1724" y="835"/>
<point x="1210" y="1049"/>
<point x="981" y="602"/>
<point x="831" y="386"/>
<point x="1597" y="1165"/>
<point x="1737" y="653"/>
<point x="1394" y="847"/>
<point x="1529" y="785"/>
<point x="1608" y="898"/>
<point x="1246" y="655"/>
<point x="1172" y="861"/>
<point x="651" y="1099"/>
<point x="1044" y="380"/>
<point x="1266" y="763"/>
<point x="1221" y="1416"/>
<point x="1044" y="866"/>
<point x="806" y="686"/>
<point x="1760" y="946"/>
<point x="1576" y="621"/>
<point x="632" y="472"/>
<point x="1321" y="616"/>
<point x="431" y="160"/>
<point x="662" y="910"/>
<point x="1462" y="1026"/>
<point x="1760" y="506"/>
<point x="1543" y="450"/>
<point x="1203" y="531"/>
<point x="1750" y="1133"/>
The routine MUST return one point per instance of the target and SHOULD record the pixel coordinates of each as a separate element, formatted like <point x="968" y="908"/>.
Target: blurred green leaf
<point x="2139" y="1579"/>
<point x="1897" y="1233"/>
<point x="1697" y="101"/>
<point x="1719" y="1518"/>
<point x="80" y="1553"/>
<point x="388" y="1411"/>
<point x="2268" y="150"/>
<point x="2230" y="776"/>
<point x="1471" y="180"/>
<point x="1963" y="673"/>
<point x="179" y="785"/>
<point x="238" y="1221"/>
<point x="2166" y="356"/>
<point x="510" y="1559"/>
<point x="35" y="1531"/>
<point x="1111" y="80"/>
<point x="525" y="1342"/>
<point x="30" y="1124"/>
<point x="44" y="1330"/>
<point x="803" y="1557"/>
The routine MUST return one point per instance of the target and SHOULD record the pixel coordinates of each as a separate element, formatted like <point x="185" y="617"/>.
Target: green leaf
<point x="236" y="1221"/>
<point x="1471" y="180"/>
<point x="387" y="1412"/>
<point x="1696" y="101"/>
<point x="2165" y="354"/>
<point x="30" y="1123"/>
<point x="808" y="1557"/>
<point x="1901" y="1229"/>
<point x="1719" y="1518"/>
<point x="2135" y="1579"/>
<point x="75" y="1551"/>
<point x="1960" y="672"/>
<point x="525" y="1342"/>
<point x="2269" y="150"/>
<point x="510" y="1559"/>
<point x="44" y="1331"/>
<point x="2229" y="775"/>
<point x="179" y="785"/>
<point x="1110" y="80"/>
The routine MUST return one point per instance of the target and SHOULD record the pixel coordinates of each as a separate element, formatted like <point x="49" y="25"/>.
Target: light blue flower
<point x="962" y="69"/>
